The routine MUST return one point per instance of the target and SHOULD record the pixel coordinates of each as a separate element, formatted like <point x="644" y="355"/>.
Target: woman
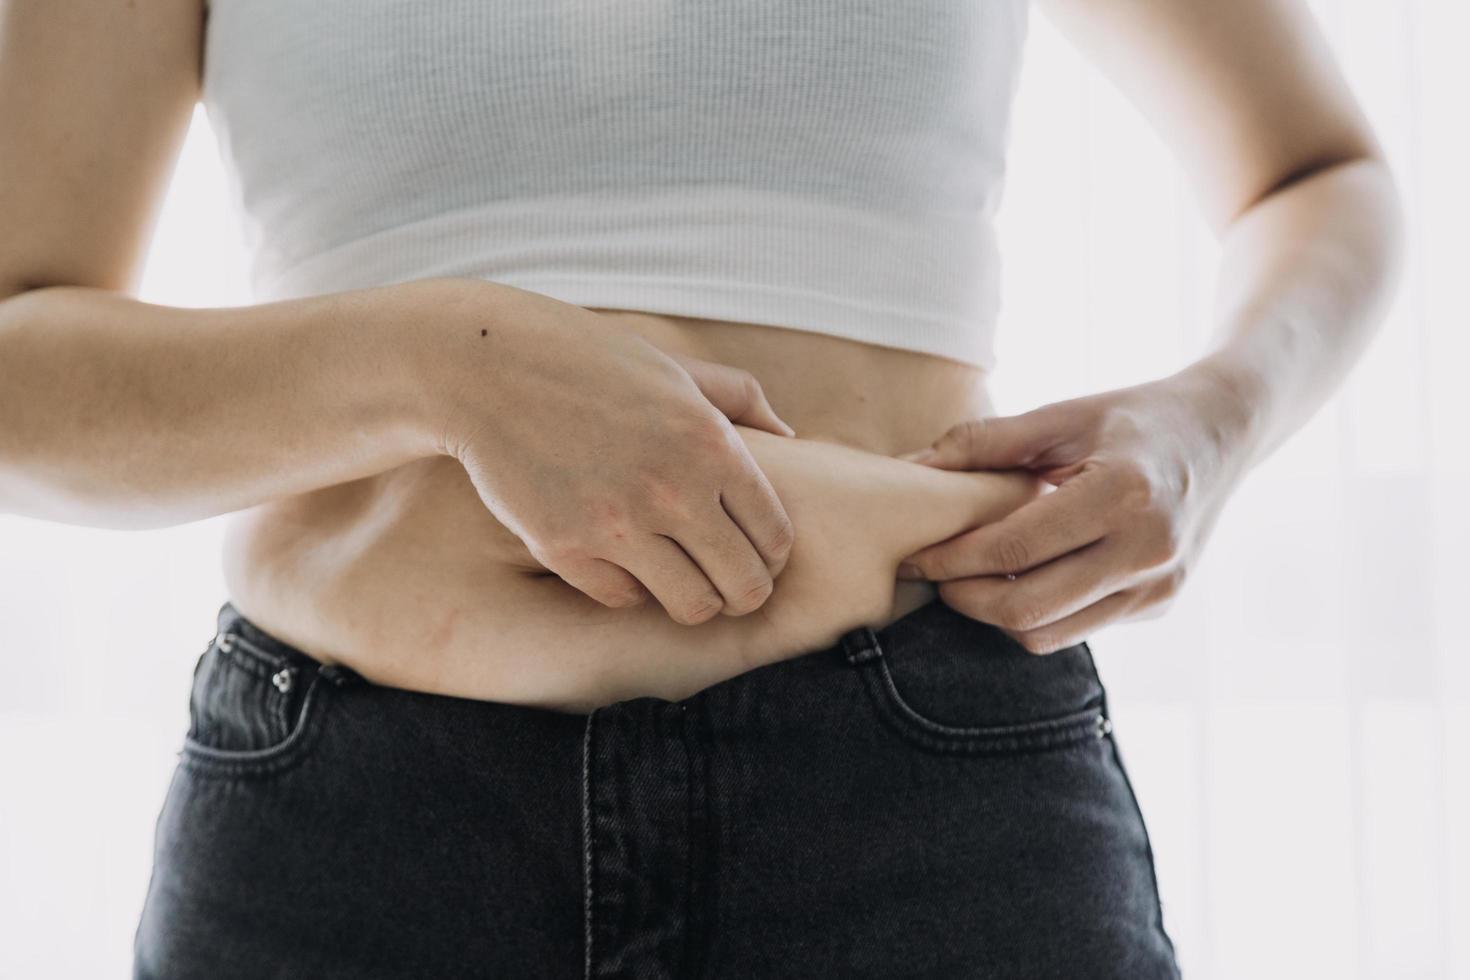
<point x="565" y="631"/>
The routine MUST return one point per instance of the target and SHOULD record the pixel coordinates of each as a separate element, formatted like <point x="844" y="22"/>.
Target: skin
<point x="96" y="98"/>
<point x="348" y="420"/>
<point x="1296" y="188"/>
<point x="583" y="654"/>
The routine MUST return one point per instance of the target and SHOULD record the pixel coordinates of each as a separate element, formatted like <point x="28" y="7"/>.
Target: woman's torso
<point x="404" y="575"/>
<point x="797" y="163"/>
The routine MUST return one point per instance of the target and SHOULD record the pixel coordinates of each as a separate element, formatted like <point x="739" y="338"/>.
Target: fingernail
<point x="789" y="430"/>
<point x="909" y="571"/>
<point x="919" y="455"/>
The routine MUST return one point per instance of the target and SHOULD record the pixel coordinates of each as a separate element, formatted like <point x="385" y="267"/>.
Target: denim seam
<point x="207" y="760"/>
<point x="686" y="954"/>
<point x="587" y="845"/>
<point x="250" y="660"/>
<point x="200" y="728"/>
<point x="282" y="702"/>
<point x="1078" y="726"/>
<point x="1148" y="848"/>
<point x="265" y="644"/>
<point x="257" y="661"/>
<point x="699" y="878"/>
<point x="710" y="839"/>
<point x="980" y="731"/>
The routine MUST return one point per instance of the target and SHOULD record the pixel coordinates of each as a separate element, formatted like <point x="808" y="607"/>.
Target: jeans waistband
<point x="233" y="627"/>
<point x="929" y="628"/>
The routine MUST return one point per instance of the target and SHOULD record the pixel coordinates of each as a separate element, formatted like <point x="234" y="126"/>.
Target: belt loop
<point x="340" y="675"/>
<point x="860" y="646"/>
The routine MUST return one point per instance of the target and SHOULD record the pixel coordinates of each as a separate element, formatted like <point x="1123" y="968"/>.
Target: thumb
<point x="736" y="393"/>
<point x="996" y="442"/>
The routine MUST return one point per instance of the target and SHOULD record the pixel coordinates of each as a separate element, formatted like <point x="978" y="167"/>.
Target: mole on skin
<point x="484" y="332"/>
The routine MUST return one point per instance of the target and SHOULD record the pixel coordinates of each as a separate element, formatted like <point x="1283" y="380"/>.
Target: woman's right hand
<point x="615" y="463"/>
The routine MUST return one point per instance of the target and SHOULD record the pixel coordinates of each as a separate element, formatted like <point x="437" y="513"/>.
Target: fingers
<point x="601" y="580"/>
<point x="751" y="502"/>
<point x="675" y="580"/>
<point x="729" y="560"/>
<point x="736" y="393"/>
<point x="996" y="442"/>
<point x="711" y="568"/>
<point x="1048" y="527"/>
<point x="710" y="559"/>
<point x="699" y="552"/>
<point x="1043" y="596"/>
<point x="1075" y="628"/>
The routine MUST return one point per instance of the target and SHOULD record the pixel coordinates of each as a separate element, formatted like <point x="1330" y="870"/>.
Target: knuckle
<point x="706" y="433"/>
<point x="1022" y="614"/>
<point x="750" y="386"/>
<point x="1139" y="490"/>
<point x="749" y="598"/>
<point x="1011" y="554"/>
<point x="1163" y="544"/>
<point x="623" y="598"/>
<point x="556" y="550"/>
<point x="697" y="611"/>
<point x="781" y="537"/>
<point x="965" y="436"/>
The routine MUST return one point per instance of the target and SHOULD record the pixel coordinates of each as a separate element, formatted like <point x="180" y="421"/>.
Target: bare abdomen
<point x="410" y="580"/>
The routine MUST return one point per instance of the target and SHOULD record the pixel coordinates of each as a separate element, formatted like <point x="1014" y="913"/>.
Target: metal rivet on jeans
<point x="282" y="679"/>
<point x="1104" y="726"/>
<point x="226" y="642"/>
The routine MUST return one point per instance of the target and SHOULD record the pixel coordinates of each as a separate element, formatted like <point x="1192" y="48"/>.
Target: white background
<point x="1296" y="726"/>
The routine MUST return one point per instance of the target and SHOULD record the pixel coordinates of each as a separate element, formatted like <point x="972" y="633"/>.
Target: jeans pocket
<point x="969" y="689"/>
<point x="253" y="712"/>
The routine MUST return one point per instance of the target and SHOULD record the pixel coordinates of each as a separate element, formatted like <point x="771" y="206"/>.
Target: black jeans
<point x="923" y="800"/>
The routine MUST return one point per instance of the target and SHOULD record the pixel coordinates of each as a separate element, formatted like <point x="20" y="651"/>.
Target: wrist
<point x="444" y="336"/>
<point x="412" y="364"/>
<point x="1231" y="399"/>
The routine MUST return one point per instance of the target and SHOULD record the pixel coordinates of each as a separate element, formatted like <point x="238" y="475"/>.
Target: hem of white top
<point x="654" y="249"/>
<point x="757" y="303"/>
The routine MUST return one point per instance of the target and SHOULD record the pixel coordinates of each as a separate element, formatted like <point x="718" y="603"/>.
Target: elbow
<point x="1389" y="228"/>
<point x="1393" y="220"/>
<point x="1370" y="200"/>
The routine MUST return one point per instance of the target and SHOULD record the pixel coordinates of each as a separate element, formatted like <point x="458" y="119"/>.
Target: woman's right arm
<point x="120" y="413"/>
<point x="614" y="462"/>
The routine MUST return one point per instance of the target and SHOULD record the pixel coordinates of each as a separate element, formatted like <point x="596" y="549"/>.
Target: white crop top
<point x="822" y="165"/>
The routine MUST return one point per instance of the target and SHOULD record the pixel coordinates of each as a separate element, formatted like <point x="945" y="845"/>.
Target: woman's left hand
<point x="1140" y="475"/>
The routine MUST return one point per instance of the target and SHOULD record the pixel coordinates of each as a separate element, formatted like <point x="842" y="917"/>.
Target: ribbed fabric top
<point x="823" y="165"/>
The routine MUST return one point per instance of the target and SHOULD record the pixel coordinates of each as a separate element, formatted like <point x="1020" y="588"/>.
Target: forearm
<point x="120" y="413"/>
<point x="1305" y="278"/>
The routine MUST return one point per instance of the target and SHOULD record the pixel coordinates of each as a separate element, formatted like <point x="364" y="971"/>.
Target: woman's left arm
<point x="1292" y="180"/>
